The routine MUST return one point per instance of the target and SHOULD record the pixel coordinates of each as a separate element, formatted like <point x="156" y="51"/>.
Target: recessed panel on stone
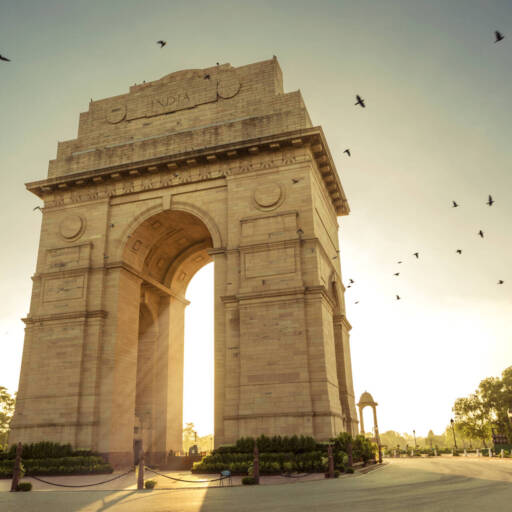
<point x="270" y="262"/>
<point x="67" y="288"/>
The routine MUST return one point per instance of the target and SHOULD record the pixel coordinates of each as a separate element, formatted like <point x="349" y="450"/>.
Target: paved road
<point x="443" y="484"/>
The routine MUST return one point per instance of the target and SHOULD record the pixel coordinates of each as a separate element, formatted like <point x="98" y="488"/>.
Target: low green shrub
<point x="349" y="470"/>
<point x="44" y="450"/>
<point x="24" y="487"/>
<point x="83" y="465"/>
<point x="249" y="480"/>
<point x="150" y="484"/>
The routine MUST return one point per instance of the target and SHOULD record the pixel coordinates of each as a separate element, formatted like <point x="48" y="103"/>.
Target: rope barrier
<point x="86" y="485"/>
<point x="188" y="481"/>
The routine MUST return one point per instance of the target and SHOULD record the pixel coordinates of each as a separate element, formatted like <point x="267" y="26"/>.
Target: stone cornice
<point x="313" y="138"/>
<point x="57" y="317"/>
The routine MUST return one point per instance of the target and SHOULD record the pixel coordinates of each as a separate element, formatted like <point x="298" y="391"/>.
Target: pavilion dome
<point x="367" y="399"/>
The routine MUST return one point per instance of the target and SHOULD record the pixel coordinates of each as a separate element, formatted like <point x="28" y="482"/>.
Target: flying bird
<point x="501" y="281"/>
<point x="161" y="43"/>
<point x="396" y="274"/>
<point x="347" y="151"/>
<point x="399" y="262"/>
<point x="490" y="201"/>
<point x="499" y="36"/>
<point x="37" y="208"/>
<point x="4" y="58"/>
<point x="454" y="204"/>
<point x="356" y="302"/>
<point x="398" y="297"/>
<point x="481" y="233"/>
<point x="359" y="101"/>
<point x="349" y="286"/>
<point x="459" y="251"/>
<point x="417" y="254"/>
<point x="351" y="281"/>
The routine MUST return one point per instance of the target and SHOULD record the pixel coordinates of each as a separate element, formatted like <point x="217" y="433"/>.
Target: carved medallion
<point x="268" y="196"/>
<point x="72" y="227"/>
<point x="116" y="114"/>
<point x="228" y="84"/>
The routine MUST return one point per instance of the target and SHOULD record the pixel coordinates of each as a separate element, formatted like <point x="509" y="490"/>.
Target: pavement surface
<point x="424" y="484"/>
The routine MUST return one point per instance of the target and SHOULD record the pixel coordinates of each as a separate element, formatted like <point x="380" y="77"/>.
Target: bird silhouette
<point x="499" y="36"/>
<point x="359" y="101"/>
<point x="37" y="208"/>
<point x="417" y="254"/>
<point x="399" y="262"/>
<point x="161" y="43"/>
<point x="4" y="58"/>
<point x="490" y="201"/>
<point x="481" y="233"/>
<point x="501" y="281"/>
<point x="347" y="151"/>
<point x="396" y="274"/>
<point x="454" y="204"/>
<point x="397" y="297"/>
<point x="356" y="302"/>
<point x="459" y="251"/>
<point x="349" y="286"/>
<point x="351" y="281"/>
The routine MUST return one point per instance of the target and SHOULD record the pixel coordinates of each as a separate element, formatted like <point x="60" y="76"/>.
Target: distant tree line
<point x="486" y="410"/>
<point x="475" y="418"/>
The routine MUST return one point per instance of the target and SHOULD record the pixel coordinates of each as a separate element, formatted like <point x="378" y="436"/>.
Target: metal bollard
<point x="140" y="476"/>
<point x="331" y="461"/>
<point x="16" y="472"/>
<point x="256" y="464"/>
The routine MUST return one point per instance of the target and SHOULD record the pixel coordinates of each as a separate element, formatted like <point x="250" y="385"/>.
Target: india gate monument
<point x="215" y="164"/>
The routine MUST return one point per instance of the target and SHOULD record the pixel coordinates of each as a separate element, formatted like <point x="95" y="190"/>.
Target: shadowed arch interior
<point x="164" y="252"/>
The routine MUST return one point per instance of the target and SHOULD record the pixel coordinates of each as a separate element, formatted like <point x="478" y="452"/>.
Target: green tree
<point x="7" y="402"/>
<point x="487" y="408"/>
<point x="189" y="436"/>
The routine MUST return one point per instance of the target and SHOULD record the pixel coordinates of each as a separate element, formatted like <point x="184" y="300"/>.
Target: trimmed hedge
<point x="82" y="465"/>
<point x="285" y="455"/>
<point x="44" y="450"/>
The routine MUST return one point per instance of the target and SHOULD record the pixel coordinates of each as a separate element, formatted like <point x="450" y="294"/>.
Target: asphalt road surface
<point x="441" y="484"/>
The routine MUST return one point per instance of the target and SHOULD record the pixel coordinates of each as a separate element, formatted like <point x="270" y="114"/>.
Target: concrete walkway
<point x="418" y="485"/>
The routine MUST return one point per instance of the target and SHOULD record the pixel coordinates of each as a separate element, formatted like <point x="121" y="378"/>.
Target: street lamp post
<point x="415" y="444"/>
<point x="453" y="432"/>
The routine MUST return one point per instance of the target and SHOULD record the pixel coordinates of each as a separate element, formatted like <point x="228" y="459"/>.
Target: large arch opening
<point x="163" y="253"/>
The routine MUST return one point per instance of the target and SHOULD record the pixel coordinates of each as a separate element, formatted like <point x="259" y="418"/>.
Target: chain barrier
<point x="86" y="485"/>
<point x="289" y="475"/>
<point x="188" y="481"/>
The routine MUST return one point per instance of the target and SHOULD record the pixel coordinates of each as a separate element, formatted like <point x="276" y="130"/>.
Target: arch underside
<point x="164" y="252"/>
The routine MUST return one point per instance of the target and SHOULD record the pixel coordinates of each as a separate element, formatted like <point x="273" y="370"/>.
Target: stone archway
<point x="160" y="257"/>
<point x="216" y="164"/>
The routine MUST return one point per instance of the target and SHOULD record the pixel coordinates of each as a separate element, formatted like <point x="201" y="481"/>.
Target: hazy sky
<point x="436" y="128"/>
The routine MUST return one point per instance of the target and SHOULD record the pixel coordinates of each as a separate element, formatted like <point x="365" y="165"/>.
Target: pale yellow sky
<point x="436" y="128"/>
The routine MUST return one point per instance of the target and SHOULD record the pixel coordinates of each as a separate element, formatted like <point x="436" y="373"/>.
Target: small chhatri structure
<point x="367" y="400"/>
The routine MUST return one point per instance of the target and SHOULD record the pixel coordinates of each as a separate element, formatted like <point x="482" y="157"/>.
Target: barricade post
<point x="256" y="464"/>
<point x="16" y="472"/>
<point x="331" y="461"/>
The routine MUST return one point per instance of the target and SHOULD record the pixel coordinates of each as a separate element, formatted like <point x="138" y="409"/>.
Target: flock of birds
<point x="490" y="201"/>
<point x="361" y="103"/>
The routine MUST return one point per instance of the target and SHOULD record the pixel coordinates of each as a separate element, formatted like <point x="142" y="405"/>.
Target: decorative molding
<point x="207" y="164"/>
